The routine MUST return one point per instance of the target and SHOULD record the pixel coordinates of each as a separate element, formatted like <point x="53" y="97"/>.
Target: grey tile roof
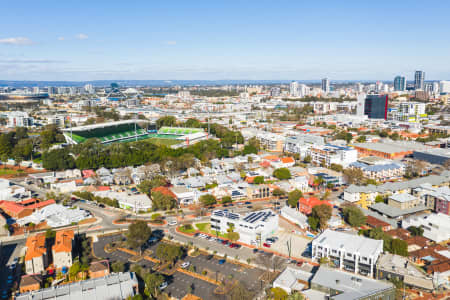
<point x="394" y="212"/>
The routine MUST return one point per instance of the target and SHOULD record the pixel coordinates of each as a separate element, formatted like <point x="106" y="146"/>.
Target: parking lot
<point x="298" y="243"/>
<point x="180" y="284"/>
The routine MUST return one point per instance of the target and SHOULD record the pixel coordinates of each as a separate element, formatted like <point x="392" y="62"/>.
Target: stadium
<point x="133" y="130"/>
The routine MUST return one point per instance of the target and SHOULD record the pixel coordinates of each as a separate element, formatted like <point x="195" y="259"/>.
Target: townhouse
<point x="353" y="253"/>
<point x="62" y="249"/>
<point x="36" y="258"/>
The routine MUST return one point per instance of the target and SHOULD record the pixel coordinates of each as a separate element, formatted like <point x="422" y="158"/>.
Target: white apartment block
<point x="332" y="154"/>
<point x="19" y="119"/>
<point x="347" y="251"/>
<point x="301" y="143"/>
<point x="410" y="111"/>
<point x="436" y="227"/>
<point x="253" y="228"/>
<point x="270" y="141"/>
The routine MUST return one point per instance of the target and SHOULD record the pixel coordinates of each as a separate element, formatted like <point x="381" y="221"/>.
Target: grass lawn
<point x="186" y="230"/>
<point x="165" y="142"/>
<point x="206" y="228"/>
<point x="10" y="172"/>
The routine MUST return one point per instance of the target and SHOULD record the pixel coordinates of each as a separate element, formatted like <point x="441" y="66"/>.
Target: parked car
<point x="247" y="202"/>
<point x="163" y="285"/>
<point x="255" y="250"/>
<point x="172" y="222"/>
<point x="185" y="264"/>
<point x="266" y="245"/>
<point x="221" y="262"/>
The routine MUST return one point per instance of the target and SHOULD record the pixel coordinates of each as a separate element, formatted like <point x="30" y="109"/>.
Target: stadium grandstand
<point x="111" y="132"/>
<point x="187" y="135"/>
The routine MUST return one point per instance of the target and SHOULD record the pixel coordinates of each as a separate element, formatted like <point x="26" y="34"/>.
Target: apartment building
<point x="253" y="227"/>
<point x="380" y="171"/>
<point x="62" y="249"/>
<point x="436" y="227"/>
<point x="36" y="258"/>
<point x="270" y="141"/>
<point x="347" y="251"/>
<point x="332" y="154"/>
<point x="403" y="201"/>
<point x="301" y="143"/>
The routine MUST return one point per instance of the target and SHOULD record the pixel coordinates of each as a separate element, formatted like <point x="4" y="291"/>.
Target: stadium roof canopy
<point x="103" y="125"/>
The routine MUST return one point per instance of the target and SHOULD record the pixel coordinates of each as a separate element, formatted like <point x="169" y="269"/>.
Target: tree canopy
<point x="138" y="233"/>
<point x="354" y="216"/>
<point x="207" y="200"/>
<point x="282" y="173"/>
<point x="293" y="197"/>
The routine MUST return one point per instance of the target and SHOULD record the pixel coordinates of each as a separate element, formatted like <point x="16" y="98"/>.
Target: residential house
<point x="29" y="283"/>
<point x="62" y="249"/>
<point x="436" y="227"/>
<point x="184" y="195"/>
<point x="305" y="205"/>
<point x="99" y="269"/>
<point x="36" y="258"/>
<point x="293" y="279"/>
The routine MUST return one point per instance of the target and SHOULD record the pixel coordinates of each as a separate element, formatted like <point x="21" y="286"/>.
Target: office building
<point x="419" y="79"/>
<point x="275" y="92"/>
<point x="253" y="228"/>
<point x="19" y="119"/>
<point x="444" y="87"/>
<point x="326" y="85"/>
<point x="351" y="252"/>
<point x="400" y="83"/>
<point x="375" y="106"/>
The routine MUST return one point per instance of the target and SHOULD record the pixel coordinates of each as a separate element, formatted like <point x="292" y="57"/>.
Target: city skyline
<point x="217" y="41"/>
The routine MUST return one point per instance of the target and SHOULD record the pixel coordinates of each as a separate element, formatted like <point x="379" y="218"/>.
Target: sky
<point x="218" y="39"/>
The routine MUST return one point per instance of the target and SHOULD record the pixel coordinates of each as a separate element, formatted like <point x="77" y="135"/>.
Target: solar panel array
<point x="255" y="216"/>
<point x="227" y="214"/>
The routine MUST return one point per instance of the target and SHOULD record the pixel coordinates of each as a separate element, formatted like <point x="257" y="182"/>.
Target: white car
<point x="185" y="264"/>
<point x="173" y="222"/>
<point x="163" y="285"/>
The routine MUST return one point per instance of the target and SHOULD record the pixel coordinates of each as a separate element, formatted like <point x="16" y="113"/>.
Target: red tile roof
<point x="164" y="190"/>
<point x="287" y="160"/>
<point x="63" y="241"/>
<point x="35" y="246"/>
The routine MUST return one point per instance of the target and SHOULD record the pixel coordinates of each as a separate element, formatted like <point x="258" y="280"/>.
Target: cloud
<point x="171" y="43"/>
<point x="82" y="36"/>
<point x="16" y="41"/>
<point x="61" y="38"/>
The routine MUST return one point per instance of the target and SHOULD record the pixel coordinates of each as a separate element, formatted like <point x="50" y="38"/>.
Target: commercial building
<point x="293" y="89"/>
<point x="331" y="154"/>
<point x="375" y="106"/>
<point x="434" y="156"/>
<point x="410" y="112"/>
<point x="400" y="83"/>
<point x="19" y="119"/>
<point x="293" y="279"/>
<point x="339" y="285"/>
<point x="62" y="249"/>
<point x="436" y="227"/>
<point x="113" y="286"/>
<point x="326" y="85"/>
<point x="347" y="251"/>
<point x="36" y="258"/>
<point x="55" y="215"/>
<point x="294" y="216"/>
<point x="253" y="227"/>
<point x="419" y="78"/>
<point x="388" y="149"/>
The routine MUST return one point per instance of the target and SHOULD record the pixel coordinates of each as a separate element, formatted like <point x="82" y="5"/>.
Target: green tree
<point x="282" y="173"/>
<point x="379" y="199"/>
<point x="152" y="282"/>
<point x="147" y="185"/>
<point x="361" y="139"/>
<point x="163" y="201"/>
<point x="399" y="247"/>
<point x="118" y="267"/>
<point x="226" y="199"/>
<point x="138" y="233"/>
<point x="278" y="293"/>
<point x="166" y="121"/>
<point x="337" y="167"/>
<point x="207" y="200"/>
<point x="313" y="222"/>
<point x="415" y="231"/>
<point x="258" y="180"/>
<point x="278" y="192"/>
<point x="74" y="269"/>
<point x="293" y="197"/>
<point x="168" y="253"/>
<point x="354" y="216"/>
<point x="307" y="159"/>
<point x="354" y="176"/>
<point x="323" y="213"/>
